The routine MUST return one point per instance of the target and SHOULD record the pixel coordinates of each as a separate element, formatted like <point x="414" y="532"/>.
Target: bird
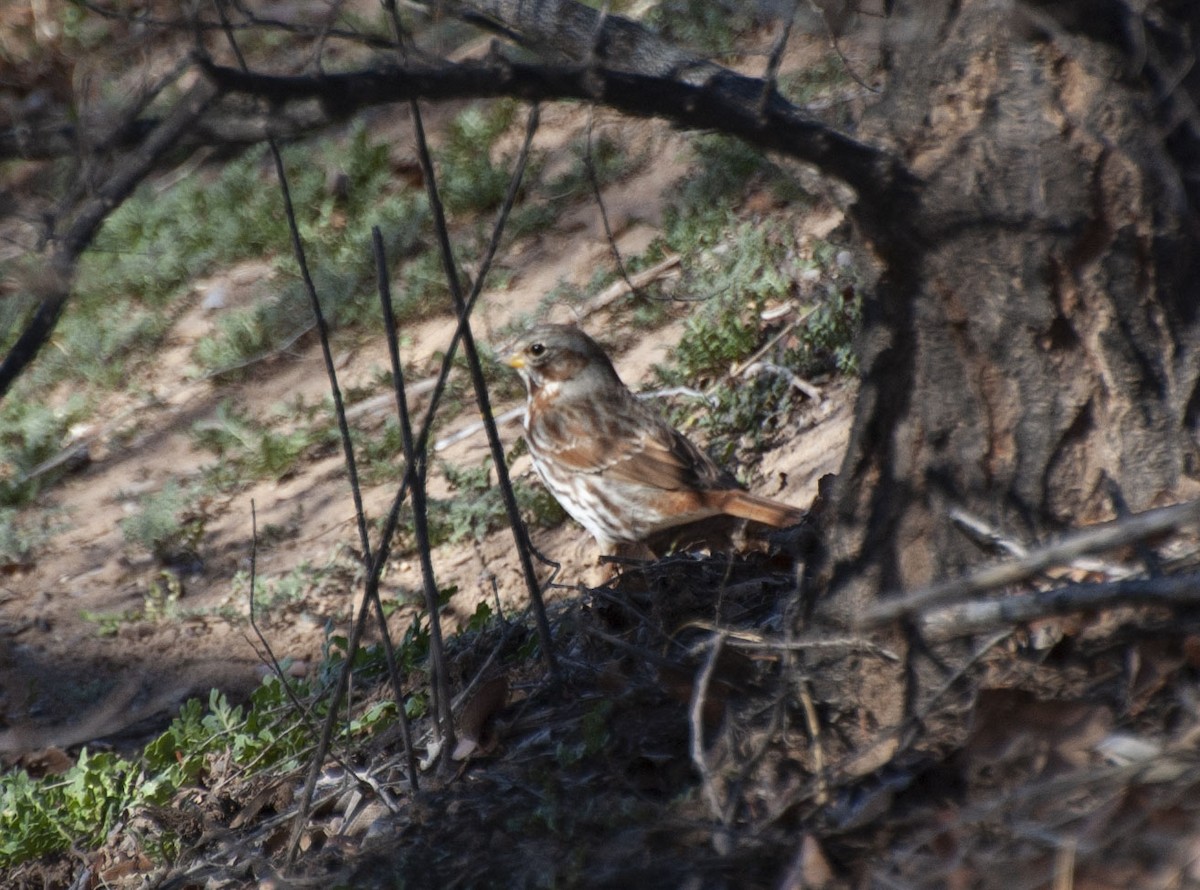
<point x="617" y="467"/>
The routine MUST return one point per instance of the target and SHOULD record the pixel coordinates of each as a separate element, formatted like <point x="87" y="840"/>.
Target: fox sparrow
<point x="618" y="468"/>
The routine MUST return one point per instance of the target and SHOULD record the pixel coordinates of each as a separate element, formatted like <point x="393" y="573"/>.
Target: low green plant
<point x="478" y="505"/>
<point x="41" y="816"/>
<point x="610" y="162"/>
<point x="733" y="280"/>
<point x="24" y="535"/>
<point x="726" y="168"/>
<point x="736" y="270"/>
<point x="31" y="432"/>
<point x="166" y="525"/>
<point x="470" y="181"/>
<point x="809" y="83"/>
<point x="252" y="448"/>
<point x="76" y="810"/>
<point x="709" y="25"/>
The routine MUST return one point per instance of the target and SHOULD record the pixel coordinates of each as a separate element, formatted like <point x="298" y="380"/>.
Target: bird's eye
<point x="537" y="349"/>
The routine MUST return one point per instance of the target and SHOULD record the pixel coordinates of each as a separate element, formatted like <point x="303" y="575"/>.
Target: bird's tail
<point x="745" y="505"/>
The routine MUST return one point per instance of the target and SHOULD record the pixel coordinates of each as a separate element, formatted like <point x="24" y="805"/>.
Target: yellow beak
<point x="516" y="360"/>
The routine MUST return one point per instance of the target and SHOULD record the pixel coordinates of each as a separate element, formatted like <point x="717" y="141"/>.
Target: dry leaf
<point x="488" y="699"/>
<point x="1012" y="726"/>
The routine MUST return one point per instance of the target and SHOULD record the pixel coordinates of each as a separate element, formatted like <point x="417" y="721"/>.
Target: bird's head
<point x="561" y="358"/>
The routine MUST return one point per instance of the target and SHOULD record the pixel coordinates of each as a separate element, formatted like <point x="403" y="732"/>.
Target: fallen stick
<point x="967" y="619"/>
<point x="1088" y="540"/>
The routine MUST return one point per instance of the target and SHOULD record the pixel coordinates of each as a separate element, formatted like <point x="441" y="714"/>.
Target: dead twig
<point x="744" y="639"/>
<point x="794" y="380"/>
<point x="738" y="369"/>
<point x="813" y="725"/>
<point x="463" y="307"/>
<point x="967" y="619"/>
<point x="699" y="757"/>
<point x="1088" y="540"/>
<point x="590" y="167"/>
<point x="771" y="75"/>
<point x="371" y="593"/>
<point x="420" y="524"/>
<point x="629" y="284"/>
<point x="989" y="538"/>
<point x="477" y="426"/>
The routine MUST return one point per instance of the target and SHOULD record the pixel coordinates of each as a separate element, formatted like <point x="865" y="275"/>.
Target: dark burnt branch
<point x="723" y="101"/>
<point x="124" y="177"/>
<point x="47" y="140"/>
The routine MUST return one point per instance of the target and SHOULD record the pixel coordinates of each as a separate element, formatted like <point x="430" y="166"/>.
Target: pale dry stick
<point x="477" y="426"/>
<point x="699" y="758"/>
<point x="970" y="618"/>
<point x="989" y="538"/>
<point x="794" y="380"/>
<point x="1088" y="540"/>
<point x="387" y="399"/>
<point x="813" y="725"/>
<point x="744" y="639"/>
<point x="736" y="370"/>
<point x="622" y="286"/>
<point x="1064" y="865"/>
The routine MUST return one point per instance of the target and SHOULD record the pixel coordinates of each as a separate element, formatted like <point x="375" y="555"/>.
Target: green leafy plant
<point x="23" y="536"/>
<point x="710" y="25"/>
<point x="478" y="505"/>
<point x="79" y="807"/>
<point x="249" y="447"/>
<point x="166" y="525"/>
<point x="728" y="167"/>
<point x="31" y="432"/>
<point x="470" y="181"/>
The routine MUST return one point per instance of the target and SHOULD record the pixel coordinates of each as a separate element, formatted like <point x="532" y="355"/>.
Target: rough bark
<point x="1031" y="354"/>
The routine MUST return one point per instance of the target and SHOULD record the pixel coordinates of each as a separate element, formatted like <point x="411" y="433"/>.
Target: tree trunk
<point x="1031" y="352"/>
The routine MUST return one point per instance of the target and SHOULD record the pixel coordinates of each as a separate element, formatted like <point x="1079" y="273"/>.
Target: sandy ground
<point x="65" y="676"/>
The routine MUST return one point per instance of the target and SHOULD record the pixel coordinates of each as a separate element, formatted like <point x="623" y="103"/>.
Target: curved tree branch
<point x="120" y="183"/>
<point x="723" y="101"/>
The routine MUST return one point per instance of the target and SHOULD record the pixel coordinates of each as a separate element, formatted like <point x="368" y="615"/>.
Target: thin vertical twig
<point x="415" y="474"/>
<point x="421" y="526"/>
<point x="771" y="76"/>
<point x="594" y="180"/>
<point x="696" y="719"/>
<point x="371" y="593"/>
<point x="463" y="307"/>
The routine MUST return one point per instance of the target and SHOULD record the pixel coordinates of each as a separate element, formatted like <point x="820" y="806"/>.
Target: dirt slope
<point x="67" y="646"/>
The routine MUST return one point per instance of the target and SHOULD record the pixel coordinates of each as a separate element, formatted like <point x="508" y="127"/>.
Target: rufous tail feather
<point x="745" y="505"/>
